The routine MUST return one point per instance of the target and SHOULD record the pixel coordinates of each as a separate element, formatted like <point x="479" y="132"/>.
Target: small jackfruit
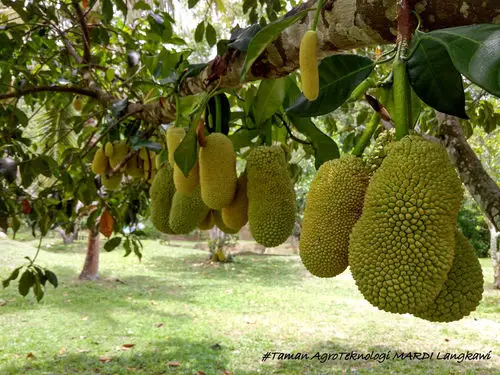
<point x="133" y="167"/>
<point x="208" y="222"/>
<point x="308" y="61"/>
<point x="217" y="161"/>
<point x="235" y="216"/>
<point x="271" y="196"/>
<point x="100" y="162"/>
<point x="402" y="247"/>
<point x="463" y="288"/>
<point x="221" y="225"/>
<point x="109" y="149"/>
<point x="162" y="192"/>
<point x="187" y="211"/>
<point x="120" y="150"/>
<point x="333" y="205"/>
<point x="113" y="182"/>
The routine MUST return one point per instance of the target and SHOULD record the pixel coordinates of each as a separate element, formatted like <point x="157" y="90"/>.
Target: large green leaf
<point x="339" y="75"/>
<point x="269" y="99"/>
<point x="265" y="36"/>
<point x="475" y="52"/>
<point x="434" y="78"/>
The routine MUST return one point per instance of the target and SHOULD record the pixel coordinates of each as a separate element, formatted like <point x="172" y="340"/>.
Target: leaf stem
<point x="367" y="135"/>
<point x="37" y="250"/>
<point x="316" y="16"/>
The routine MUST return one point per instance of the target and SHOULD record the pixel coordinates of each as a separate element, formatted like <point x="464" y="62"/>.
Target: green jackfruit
<point x="133" y="167"/>
<point x="208" y="222"/>
<point x="112" y="183"/>
<point x="271" y="197"/>
<point x="463" y="288"/>
<point x="162" y="192"/>
<point x="402" y="247"/>
<point x="221" y="225"/>
<point x="109" y="149"/>
<point x="333" y="205"/>
<point x="174" y="139"/>
<point x="235" y="216"/>
<point x="187" y="211"/>
<point x="100" y="162"/>
<point x="217" y="171"/>
<point x="120" y="150"/>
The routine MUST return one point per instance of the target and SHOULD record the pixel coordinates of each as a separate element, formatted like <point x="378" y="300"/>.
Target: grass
<point x="184" y="315"/>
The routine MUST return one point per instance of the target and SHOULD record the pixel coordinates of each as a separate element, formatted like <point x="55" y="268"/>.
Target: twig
<point x="34" y="90"/>
<point x="85" y="30"/>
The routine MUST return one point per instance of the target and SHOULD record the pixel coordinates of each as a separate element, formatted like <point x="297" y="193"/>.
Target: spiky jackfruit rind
<point x="271" y="196"/>
<point x="100" y="162"/>
<point x="208" y="222"/>
<point x="162" y="192"/>
<point x="187" y="211"/>
<point x="113" y="182"/>
<point x="463" y="288"/>
<point x="235" y="216"/>
<point x="333" y="205"/>
<point x="402" y="247"/>
<point x="219" y="223"/>
<point x="217" y="161"/>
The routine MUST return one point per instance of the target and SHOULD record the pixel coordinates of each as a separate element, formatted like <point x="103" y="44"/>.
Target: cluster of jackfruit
<point x="396" y="229"/>
<point x="107" y="158"/>
<point x="212" y="194"/>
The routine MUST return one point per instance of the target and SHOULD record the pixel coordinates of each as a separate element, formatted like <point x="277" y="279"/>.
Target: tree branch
<point x="477" y="181"/>
<point x="85" y="31"/>
<point x="34" y="90"/>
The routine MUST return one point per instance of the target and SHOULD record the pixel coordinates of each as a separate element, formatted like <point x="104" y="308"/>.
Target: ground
<point x="177" y="313"/>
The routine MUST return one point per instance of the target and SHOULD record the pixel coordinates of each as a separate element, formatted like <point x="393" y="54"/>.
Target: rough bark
<point x="91" y="265"/>
<point x="477" y="181"/>
<point x="495" y="254"/>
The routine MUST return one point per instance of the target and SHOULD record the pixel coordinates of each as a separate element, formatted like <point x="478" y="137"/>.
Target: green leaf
<point x="110" y="74"/>
<point x="474" y="50"/>
<point x="265" y="36"/>
<point x="127" y="247"/>
<point x="12" y="277"/>
<point x="45" y="224"/>
<point x="26" y="282"/>
<point x="112" y="244"/>
<point x="243" y="138"/>
<point x="142" y="5"/>
<point x="199" y="32"/>
<point x="241" y="38"/>
<point x="192" y="3"/>
<point x="121" y="5"/>
<point x="339" y="75"/>
<point x="107" y="11"/>
<point x="210" y="35"/>
<point x="37" y="288"/>
<point x="51" y="278"/>
<point x="137" y="251"/>
<point x="268" y="100"/>
<point x="186" y="153"/>
<point x="434" y="78"/>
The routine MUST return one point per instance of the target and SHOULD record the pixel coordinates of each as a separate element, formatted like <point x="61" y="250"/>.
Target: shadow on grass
<point x="172" y="356"/>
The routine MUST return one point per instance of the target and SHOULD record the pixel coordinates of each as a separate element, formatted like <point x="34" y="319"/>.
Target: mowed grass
<point x="185" y="315"/>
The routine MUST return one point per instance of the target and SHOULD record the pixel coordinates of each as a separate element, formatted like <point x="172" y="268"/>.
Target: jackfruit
<point x="217" y="161"/>
<point x="308" y="61"/>
<point x="401" y="249"/>
<point x="174" y="139"/>
<point x="187" y="211"/>
<point x="208" y="222"/>
<point x="271" y="197"/>
<point x="109" y="149"/>
<point x="113" y="182"/>
<point x="333" y="205"/>
<point x="133" y="167"/>
<point x="162" y="192"/>
<point x="120" y="150"/>
<point x="375" y="155"/>
<point x="221" y="225"/>
<point x="463" y="288"/>
<point x="235" y="216"/>
<point x="187" y="184"/>
<point x="100" y="162"/>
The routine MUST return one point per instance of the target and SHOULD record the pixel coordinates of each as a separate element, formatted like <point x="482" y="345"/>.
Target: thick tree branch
<point x="85" y="31"/>
<point x="477" y="181"/>
<point x="34" y="90"/>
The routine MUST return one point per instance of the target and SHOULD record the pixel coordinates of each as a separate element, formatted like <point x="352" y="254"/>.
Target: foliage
<point x="474" y="227"/>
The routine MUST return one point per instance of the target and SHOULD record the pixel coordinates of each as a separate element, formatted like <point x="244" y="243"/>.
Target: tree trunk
<point x="495" y="255"/>
<point x="68" y="238"/>
<point x="91" y="265"/>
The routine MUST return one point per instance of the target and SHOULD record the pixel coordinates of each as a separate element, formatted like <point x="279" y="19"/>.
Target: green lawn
<point x="184" y="315"/>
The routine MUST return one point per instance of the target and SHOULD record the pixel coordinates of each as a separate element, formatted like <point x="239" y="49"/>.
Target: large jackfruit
<point x="402" y="247"/>
<point x="271" y="197"/>
<point x="333" y="205"/>
<point x="182" y="183"/>
<point x="100" y="162"/>
<point x="217" y="171"/>
<point x="463" y="288"/>
<point x="187" y="211"/>
<point x="221" y="225"/>
<point x="162" y="192"/>
<point x="235" y="216"/>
